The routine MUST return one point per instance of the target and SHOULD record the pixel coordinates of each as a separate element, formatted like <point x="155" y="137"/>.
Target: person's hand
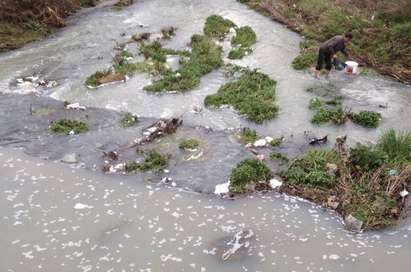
<point x="334" y="56"/>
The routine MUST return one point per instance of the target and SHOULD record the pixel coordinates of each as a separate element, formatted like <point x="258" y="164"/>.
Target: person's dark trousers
<point x="324" y="57"/>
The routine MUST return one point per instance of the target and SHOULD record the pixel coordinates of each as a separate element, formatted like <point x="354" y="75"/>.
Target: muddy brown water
<point x="57" y="218"/>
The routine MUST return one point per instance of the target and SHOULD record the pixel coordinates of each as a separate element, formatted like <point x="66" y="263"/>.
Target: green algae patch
<point x="189" y="144"/>
<point x="154" y="161"/>
<point x="205" y="57"/>
<point x="252" y="95"/>
<point x="243" y="40"/>
<point x="248" y="175"/>
<point x="68" y="127"/>
<point x="129" y="120"/>
<point x="367" y="119"/>
<point x="248" y="135"/>
<point x="217" y="27"/>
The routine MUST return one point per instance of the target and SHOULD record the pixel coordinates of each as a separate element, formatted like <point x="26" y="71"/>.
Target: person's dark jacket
<point x="334" y="45"/>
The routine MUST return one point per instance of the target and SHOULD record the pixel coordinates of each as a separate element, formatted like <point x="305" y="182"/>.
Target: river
<point x="57" y="218"/>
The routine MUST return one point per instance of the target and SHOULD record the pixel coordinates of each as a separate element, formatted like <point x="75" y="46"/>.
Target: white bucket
<point x="351" y="68"/>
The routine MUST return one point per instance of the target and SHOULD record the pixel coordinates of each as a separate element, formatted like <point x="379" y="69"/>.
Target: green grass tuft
<point x="328" y="114"/>
<point x="154" y="161"/>
<point x="397" y="146"/>
<point x="277" y="156"/>
<point x="68" y="127"/>
<point x="93" y="80"/>
<point x="248" y="172"/>
<point x="205" y="57"/>
<point x="367" y="119"/>
<point x="304" y="61"/>
<point x="242" y="42"/>
<point x="248" y="135"/>
<point x="277" y="141"/>
<point x="252" y="95"/>
<point x="311" y="169"/>
<point x="189" y="144"/>
<point x="129" y="120"/>
<point x="217" y="27"/>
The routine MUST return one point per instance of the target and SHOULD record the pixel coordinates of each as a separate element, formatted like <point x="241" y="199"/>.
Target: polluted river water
<point x="55" y="218"/>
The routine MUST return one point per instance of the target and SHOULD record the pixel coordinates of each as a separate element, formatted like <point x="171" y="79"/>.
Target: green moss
<point x="242" y="42"/>
<point x="304" y="61"/>
<point x="248" y="135"/>
<point x="93" y="80"/>
<point x="68" y="127"/>
<point x="367" y="119"/>
<point x="335" y="115"/>
<point x="311" y="169"/>
<point x="205" y="57"/>
<point x="189" y="144"/>
<point x="153" y="162"/>
<point x="248" y="172"/>
<point x="129" y="120"/>
<point x="277" y="156"/>
<point x="252" y="95"/>
<point x="217" y="27"/>
<point x="156" y="52"/>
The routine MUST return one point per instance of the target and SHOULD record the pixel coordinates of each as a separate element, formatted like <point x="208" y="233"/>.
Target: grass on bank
<point x="249" y="174"/>
<point x="68" y="127"/>
<point x="366" y="181"/>
<point x="382" y="29"/>
<point x="252" y="95"/>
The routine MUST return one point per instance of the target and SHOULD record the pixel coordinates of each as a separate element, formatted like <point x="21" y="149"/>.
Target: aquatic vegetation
<point x="154" y="161"/>
<point x="168" y="32"/>
<point x="315" y="103"/>
<point x="248" y="135"/>
<point x="304" y="60"/>
<point x="335" y="115"/>
<point x="94" y="79"/>
<point x="277" y="156"/>
<point x="277" y="141"/>
<point x="311" y="169"/>
<point x="243" y="40"/>
<point x="248" y="174"/>
<point x="252" y="95"/>
<point x="368" y="119"/>
<point x="68" y="126"/>
<point x="205" y="57"/>
<point x="129" y="120"/>
<point x="397" y="146"/>
<point x="189" y="144"/>
<point x="217" y="27"/>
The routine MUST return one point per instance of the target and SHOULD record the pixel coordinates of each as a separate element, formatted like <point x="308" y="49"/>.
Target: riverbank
<point x="382" y="32"/>
<point x="22" y="23"/>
